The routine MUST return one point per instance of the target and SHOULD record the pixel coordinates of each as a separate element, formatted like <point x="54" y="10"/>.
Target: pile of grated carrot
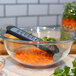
<point x="0" y="65"/>
<point x="69" y="22"/>
<point x="34" y="57"/>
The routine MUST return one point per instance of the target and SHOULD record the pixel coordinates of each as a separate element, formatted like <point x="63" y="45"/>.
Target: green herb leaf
<point x="66" y="72"/>
<point x="59" y="74"/>
<point x="51" y="39"/>
<point x="48" y="39"/>
<point x="74" y="71"/>
<point x="74" y="63"/>
<point x="67" y="69"/>
<point x="44" y="38"/>
<point x="58" y="71"/>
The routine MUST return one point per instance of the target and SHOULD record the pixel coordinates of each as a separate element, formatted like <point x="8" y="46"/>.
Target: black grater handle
<point x="21" y="34"/>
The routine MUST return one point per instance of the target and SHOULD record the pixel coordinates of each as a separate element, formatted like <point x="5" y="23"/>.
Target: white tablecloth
<point x="13" y="68"/>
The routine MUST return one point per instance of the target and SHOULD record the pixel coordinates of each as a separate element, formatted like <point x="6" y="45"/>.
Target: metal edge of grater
<point x="21" y="34"/>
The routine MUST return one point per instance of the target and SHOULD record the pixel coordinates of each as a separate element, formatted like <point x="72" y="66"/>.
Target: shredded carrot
<point x="10" y="36"/>
<point x="0" y="66"/>
<point x="34" y="57"/>
<point x="69" y="22"/>
<point x="7" y="35"/>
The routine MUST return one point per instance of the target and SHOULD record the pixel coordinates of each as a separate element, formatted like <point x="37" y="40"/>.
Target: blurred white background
<point x="31" y="12"/>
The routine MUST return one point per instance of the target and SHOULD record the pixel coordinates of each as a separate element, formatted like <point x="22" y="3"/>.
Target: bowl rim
<point x="44" y="42"/>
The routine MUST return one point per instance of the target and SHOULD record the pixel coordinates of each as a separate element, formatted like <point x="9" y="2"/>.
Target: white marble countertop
<point x="13" y="68"/>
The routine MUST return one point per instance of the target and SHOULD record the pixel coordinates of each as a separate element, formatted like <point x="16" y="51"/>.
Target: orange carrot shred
<point x="34" y="57"/>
